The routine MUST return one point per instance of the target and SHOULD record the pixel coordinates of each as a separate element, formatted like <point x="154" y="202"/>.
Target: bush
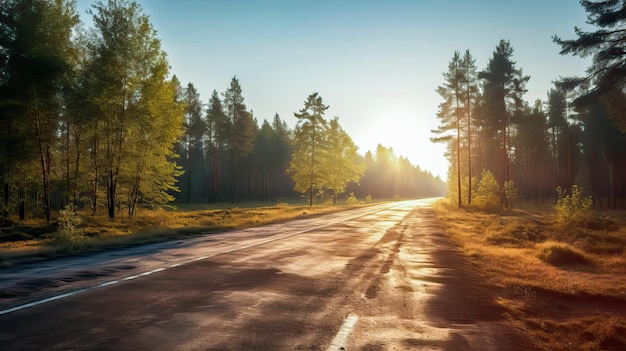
<point x="510" y="192"/>
<point x="572" y="207"/>
<point x="352" y="200"/>
<point x="368" y="198"/>
<point x="487" y="194"/>
<point x="69" y="233"/>
<point x="560" y="254"/>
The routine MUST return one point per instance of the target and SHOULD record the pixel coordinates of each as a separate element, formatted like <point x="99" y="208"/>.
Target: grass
<point x="565" y="286"/>
<point x="28" y="241"/>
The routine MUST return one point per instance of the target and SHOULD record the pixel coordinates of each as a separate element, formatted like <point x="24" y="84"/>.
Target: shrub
<point x="368" y="198"/>
<point x="510" y="192"/>
<point x="352" y="200"/>
<point x="572" y="207"/>
<point x="560" y="254"/>
<point x="487" y="194"/>
<point x="69" y="233"/>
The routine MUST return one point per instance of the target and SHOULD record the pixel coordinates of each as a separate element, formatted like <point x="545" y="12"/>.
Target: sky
<point x="377" y="64"/>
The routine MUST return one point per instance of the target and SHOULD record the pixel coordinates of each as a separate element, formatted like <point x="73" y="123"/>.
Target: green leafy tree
<point x="35" y="41"/>
<point x="138" y="117"/>
<point x="340" y="163"/>
<point x="306" y="164"/>
<point x="150" y="170"/>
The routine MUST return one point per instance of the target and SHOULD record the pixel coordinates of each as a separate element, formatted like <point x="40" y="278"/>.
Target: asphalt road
<point x="377" y="278"/>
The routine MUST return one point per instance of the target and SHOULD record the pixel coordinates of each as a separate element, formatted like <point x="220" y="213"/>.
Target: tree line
<point x="574" y="137"/>
<point x="93" y="118"/>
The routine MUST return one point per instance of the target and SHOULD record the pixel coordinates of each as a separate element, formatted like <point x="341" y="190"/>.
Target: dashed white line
<point x="340" y="340"/>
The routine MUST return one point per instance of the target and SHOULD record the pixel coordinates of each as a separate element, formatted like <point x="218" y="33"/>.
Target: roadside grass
<point x="565" y="286"/>
<point x="147" y="226"/>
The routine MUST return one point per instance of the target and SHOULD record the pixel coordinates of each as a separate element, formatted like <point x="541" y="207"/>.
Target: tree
<point x="156" y="128"/>
<point x="305" y="167"/>
<point x="458" y="92"/>
<point x="340" y="162"/>
<point x="532" y="154"/>
<point x="219" y="131"/>
<point x="241" y="142"/>
<point x="608" y="47"/>
<point x="195" y="131"/>
<point x="138" y="115"/>
<point x="470" y="86"/>
<point x="36" y="48"/>
<point x="503" y="86"/>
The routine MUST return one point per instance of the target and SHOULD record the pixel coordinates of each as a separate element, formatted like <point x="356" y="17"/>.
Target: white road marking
<point x="132" y="277"/>
<point x="340" y="340"/>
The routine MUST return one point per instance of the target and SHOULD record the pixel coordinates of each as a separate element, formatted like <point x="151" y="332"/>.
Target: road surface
<point x="376" y="278"/>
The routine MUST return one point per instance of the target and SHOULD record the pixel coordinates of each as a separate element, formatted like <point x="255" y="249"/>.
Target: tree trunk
<point x="44" y="158"/>
<point x="111" y="195"/>
<point x="21" y="201"/>
<point x="6" y="200"/>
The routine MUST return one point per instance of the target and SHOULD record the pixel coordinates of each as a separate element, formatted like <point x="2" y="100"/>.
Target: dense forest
<point x="93" y="118"/>
<point x="575" y="137"/>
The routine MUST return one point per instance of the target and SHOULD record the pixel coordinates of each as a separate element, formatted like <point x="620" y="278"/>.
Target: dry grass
<point x="151" y="226"/>
<point x="564" y="286"/>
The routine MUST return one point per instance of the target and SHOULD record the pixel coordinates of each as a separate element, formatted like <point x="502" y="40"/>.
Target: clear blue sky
<point x="376" y="63"/>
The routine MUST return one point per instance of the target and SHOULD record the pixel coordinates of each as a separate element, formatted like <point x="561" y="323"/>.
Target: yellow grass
<point x="564" y="286"/>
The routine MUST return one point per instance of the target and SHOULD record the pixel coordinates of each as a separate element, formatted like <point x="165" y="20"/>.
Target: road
<point x="377" y="278"/>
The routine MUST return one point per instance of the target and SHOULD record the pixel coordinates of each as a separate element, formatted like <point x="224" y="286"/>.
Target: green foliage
<point x="368" y="199"/>
<point x="340" y="164"/>
<point x="572" y="207"/>
<point x="69" y="233"/>
<point x="487" y="194"/>
<point x="352" y="200"/>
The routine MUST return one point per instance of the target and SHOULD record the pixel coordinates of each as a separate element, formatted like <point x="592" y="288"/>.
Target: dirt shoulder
<point x="564" y="288"/>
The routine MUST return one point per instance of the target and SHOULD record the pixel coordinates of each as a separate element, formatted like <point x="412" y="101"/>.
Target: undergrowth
<point x="561" y="272"/>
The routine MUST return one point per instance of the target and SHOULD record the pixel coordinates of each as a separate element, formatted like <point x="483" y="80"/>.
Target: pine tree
<point x="470" y="87"/>
<point x="241" y="138"/>
<point x="219" y="131"/>
<point x="504" y="85"/>
<point x="607" y="45"/>
<point x="195" y="131"/>
<point x="450" y="113"/>
<point x="305" y="167"/>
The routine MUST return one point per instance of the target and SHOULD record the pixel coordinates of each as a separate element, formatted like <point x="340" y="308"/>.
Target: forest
<point x="94" y="119"/>
<point x="502" y="148"/>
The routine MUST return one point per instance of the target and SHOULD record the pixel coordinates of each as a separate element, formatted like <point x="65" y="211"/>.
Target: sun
<point x="408" y="135"/>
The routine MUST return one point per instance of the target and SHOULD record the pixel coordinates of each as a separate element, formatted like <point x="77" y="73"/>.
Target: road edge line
<point x="339" y="342"/>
